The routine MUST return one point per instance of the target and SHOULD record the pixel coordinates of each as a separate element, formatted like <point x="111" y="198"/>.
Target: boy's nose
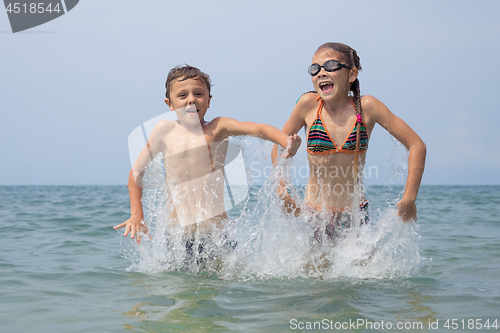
<point x="191" y="99"/>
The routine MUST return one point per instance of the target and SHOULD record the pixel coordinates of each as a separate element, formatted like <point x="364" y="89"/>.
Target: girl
<point x="338" y="122"/>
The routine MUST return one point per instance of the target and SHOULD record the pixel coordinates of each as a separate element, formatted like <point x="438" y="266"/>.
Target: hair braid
<point x="357" y="103"/>
<point x="356" y="95"/>
<point x="354" y="62"/>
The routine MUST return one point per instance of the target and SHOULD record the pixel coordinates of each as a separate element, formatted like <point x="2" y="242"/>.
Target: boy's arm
<point x="232" y="127"/>
<point x="153" y="146"/>
<point x="416" y="158"/>
<point x="134" y="225"/>
<point x="267" y="132"/>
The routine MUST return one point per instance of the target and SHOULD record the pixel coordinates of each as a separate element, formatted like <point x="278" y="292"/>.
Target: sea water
<point x="64" y="269"/>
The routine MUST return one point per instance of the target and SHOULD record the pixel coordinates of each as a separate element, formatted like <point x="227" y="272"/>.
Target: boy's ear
<point x="209" y="99"/>
<point x="353" y="75"/>
<point x="167" y="101"/>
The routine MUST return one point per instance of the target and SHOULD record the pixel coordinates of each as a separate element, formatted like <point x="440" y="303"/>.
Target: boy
<point x="194" y="152"/>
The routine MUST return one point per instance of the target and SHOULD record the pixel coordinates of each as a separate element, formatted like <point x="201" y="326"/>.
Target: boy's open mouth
<point x="192" y="110"/>
<point x="326" y="87"/>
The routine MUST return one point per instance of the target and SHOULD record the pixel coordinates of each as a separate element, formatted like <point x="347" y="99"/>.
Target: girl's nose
<point x="322" y="71"/>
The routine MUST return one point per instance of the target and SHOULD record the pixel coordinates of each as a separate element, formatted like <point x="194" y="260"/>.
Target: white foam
<point x="271" y="244"/>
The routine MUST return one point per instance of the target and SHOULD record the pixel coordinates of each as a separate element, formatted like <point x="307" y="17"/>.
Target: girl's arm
<point x="377" y="112"/>
<point x="297" y="119"/>
<point x="292" y="127"/>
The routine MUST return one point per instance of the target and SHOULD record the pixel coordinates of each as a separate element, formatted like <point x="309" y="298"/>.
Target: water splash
<point x="260" y="241"/>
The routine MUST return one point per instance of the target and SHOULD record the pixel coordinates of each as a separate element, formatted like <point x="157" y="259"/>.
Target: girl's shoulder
<point x="309" y="97"/>
<point x="371" y="104"/>
<point x="307" y="102"/>
<point x="368" y="101"/>
<point x="374" y="111"/>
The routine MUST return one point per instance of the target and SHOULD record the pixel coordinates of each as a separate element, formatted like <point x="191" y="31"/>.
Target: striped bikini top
<point x="319" y="141"/>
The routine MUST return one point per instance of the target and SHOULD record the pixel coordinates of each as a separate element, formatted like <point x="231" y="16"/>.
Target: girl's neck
<point x="338" y="105"/>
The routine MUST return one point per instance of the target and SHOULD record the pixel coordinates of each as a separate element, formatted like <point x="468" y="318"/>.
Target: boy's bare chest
<point x="187" y="157"/>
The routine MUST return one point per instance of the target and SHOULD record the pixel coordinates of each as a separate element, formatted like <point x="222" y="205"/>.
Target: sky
<point x="73" y="89"/>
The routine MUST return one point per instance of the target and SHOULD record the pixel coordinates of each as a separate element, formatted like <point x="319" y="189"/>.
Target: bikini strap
<point x="359" y="119"/>
<point x="320" y="107"/>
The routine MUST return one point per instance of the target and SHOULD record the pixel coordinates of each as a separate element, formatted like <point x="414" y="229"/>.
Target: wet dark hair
<point x="182" y="73"/>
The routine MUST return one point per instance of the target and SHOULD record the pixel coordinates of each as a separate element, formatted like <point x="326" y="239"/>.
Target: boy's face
<point x="192" y="96"/>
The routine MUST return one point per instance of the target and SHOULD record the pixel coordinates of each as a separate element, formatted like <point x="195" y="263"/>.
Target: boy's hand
<point x="293" y="144"/>
<point x="407" y="210"/>
<point x="134" y="226"/>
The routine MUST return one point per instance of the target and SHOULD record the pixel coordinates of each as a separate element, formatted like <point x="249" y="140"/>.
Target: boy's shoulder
<point x="221" y="128"/>
<point x="220" y="121"/>
<point x="165" y="125"/>
<point x="162" y="128"/>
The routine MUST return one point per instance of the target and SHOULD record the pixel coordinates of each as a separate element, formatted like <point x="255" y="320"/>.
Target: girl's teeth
<point x="326" y="87"/>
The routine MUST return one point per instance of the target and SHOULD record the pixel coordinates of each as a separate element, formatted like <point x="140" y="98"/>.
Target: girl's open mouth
<point x="326" y="87"/>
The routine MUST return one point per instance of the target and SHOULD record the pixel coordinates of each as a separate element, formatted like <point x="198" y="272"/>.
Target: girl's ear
<point x="353" y="75"/>
<point x="167" y="101"/>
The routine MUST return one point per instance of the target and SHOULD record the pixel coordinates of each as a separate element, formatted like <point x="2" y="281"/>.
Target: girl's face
<point x="190" y="99"/>
<point x="332" y="85"/>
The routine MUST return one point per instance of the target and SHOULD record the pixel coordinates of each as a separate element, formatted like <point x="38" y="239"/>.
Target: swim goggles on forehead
<point x="329" y="66"/>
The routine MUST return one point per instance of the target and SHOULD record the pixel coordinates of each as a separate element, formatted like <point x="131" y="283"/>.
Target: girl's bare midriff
<point x="331" y="181"/>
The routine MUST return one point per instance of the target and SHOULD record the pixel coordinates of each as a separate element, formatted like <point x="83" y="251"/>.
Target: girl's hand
<point x="134" y="226"/>
<point x="289" y="204"/>
<point x="407" y="210"/>
<point x="293" y="144"/>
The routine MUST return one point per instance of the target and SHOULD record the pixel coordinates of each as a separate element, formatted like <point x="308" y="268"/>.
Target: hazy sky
<point x="73" y="89"/>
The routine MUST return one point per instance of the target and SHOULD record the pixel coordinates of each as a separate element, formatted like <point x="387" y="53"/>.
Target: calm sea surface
<point x="64" y="269"/>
